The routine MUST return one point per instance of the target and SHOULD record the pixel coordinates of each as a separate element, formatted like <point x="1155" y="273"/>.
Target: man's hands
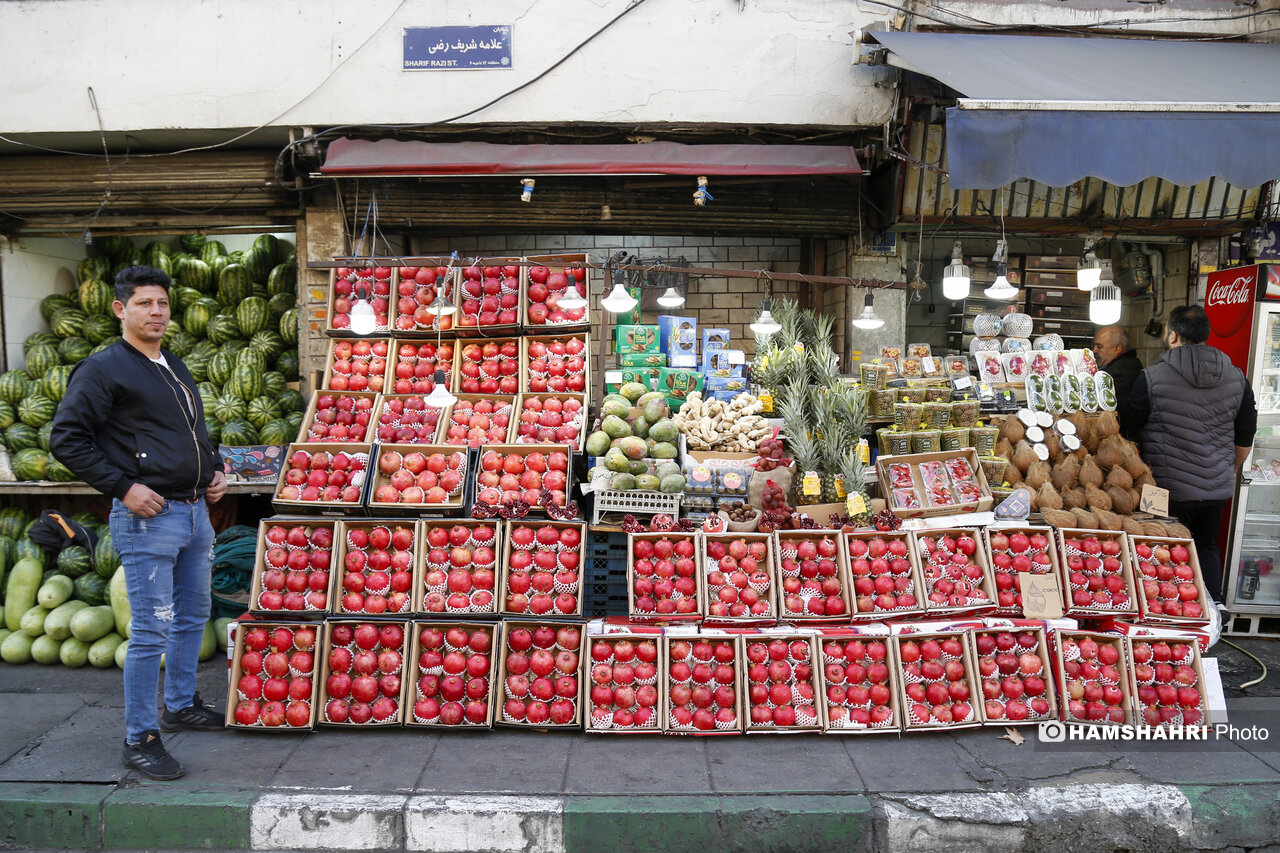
<point x="142" y="501"/>
<point x="217" y="488"/>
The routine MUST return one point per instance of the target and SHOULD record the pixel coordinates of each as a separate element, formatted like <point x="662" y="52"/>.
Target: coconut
<point x="1004" y="448"/>
<point x="1120" y="500"/>
<point x="1108" y="520"/>
<point x="1037" y="475"/>
<point x="1144" y="479"/>
<point x="1089" y="437"/>
<point x="1012" y="475"/>
<point x="1064" y="473"/>
<point x="1055" y="446"/>
<point x="1085" y="520"/>
<point x="1096" y="498"/>
<point x="1059" y="518"/>
<point x="1048" y="498"/>
<point x="1132" y="460"/>
<point x="1119" y="478"/>
<point x="1108" y="424"/>
<point x="1090" y="473"/>
<point x="1074" y="498"/>
<point x="1132" y="526"/>
<point x="1023" y="456"/>
<point x="1012" y="429"/>
<point x="1108" y="455"/>
<point x="1154" y="528"/>
<point x="1178" y="531"/>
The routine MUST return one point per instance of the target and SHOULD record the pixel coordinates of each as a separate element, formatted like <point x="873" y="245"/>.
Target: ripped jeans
<point x="167" y="564"/>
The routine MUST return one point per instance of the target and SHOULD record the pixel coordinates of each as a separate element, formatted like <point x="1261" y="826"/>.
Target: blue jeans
<point x="167" y="563"/>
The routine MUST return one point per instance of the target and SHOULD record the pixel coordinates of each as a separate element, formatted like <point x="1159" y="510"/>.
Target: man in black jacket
<point x="1111" y="349"/>
<point x="131" y="425"/>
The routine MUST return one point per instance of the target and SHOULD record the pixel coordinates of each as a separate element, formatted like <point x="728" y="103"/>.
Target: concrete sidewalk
<point x="62" y="785"/>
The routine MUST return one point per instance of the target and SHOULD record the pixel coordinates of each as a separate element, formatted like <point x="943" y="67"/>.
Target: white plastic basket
<point x="635" y="502"/>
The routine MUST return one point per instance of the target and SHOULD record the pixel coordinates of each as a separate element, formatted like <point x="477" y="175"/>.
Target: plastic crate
<point x="605" y="578"/>
<point x="646" y="502"/>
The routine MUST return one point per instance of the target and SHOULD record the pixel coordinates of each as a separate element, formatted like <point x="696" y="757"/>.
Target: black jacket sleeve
<point x="1246" y="418"/>
<point x="73" y="441"/>
<point x="1135" y="408"/>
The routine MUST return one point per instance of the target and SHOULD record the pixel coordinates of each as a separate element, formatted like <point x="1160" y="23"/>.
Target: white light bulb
<point x="572" y="299"/>
<point x="363" y="320"/>
<point x="765" y="324"/>
<point x="441" y="306"/>
<point x="868" y="320"/>
<point x="1001" y="289"/>
<point x="956" y="278"/>
<point x="440" y="398"/>
<point x="670" y="298"/>
<point x="618" y="301"/>
<point x="1089" y="272"/>
<point x="1104" y="304"/>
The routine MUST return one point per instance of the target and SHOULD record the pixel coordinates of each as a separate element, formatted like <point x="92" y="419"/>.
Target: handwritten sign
<point x="1154" y="500"/>
<point x="1041" y="596"/>
<point x="456" y="48"/>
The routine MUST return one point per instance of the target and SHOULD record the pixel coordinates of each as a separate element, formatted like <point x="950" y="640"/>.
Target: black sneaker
<point x="196" y="717"/>
<point x="151" y="759"/>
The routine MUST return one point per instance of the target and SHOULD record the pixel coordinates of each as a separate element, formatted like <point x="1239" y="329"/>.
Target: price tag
<point x="985" y="392"/>
<point x="812" y="484"/>
<point x="864" y="451"/>
<point x="961" y="383"/>
<point x="841" y="492"/>
<point x="766" y="400"/>
<point x="799" y="347"/>
<point x="1154" y="500"/>
<point x="854" y="505"/>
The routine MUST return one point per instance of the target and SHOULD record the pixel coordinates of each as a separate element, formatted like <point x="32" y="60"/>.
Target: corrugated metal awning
<point x="1056" y="110"/>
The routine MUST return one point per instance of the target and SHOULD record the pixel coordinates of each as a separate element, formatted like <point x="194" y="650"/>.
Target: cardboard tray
<point x="699" y="578"/>
<point x="322" y="697"/>
<point x="500" y="717"/>
<point x="842" y="572"/>
<point x="458" y="360"/>
<point x="738" y="684"/>
<point x="338" y="574"/>
<point x="557" y="263"/>
<point x="308" y="417"/>
<point x="788" y="634"/>
<point x="1126" y="571"/>
<point x="548" y="338"/>
<point x="1196" y="664"/>
<point x="375" y="379"/>
<point x="236" y="672"/>
<point x="1055" y="569"/>
<point x="981" y="557"/>
<point x="286" y="507"/>
<point x="495" y="330"/>
<point x="426" y="525"/>
<point x="970" y="661"/>
<point x="916" y="575"/>
<point x="260" y="565"/>
<point x="447" y="285"/>
<point x="611" y="637"/>
<point x="513" y="436"/>
<point x="414" y="672"/>
<point x="914" y="459"/>
<point x="382" y="407"/>
<point x="524" y="450"/>
<point x="453" y="505"/>
<point x="331" y="296"/>
<point x="498" y="400"/>
<point x="504" y="563"/>
<point x="393" y="361"/>
<point x="768" y="566"/>
<point x="1124" y="664"/>
<point x="1043" y="651"/>
<point x="845" y="635"/>
<point x="1202" y="597"/>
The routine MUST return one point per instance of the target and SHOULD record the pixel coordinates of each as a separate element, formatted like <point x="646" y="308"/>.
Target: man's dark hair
<point x="1191" y="324"/>
<point x="130" y="279"/>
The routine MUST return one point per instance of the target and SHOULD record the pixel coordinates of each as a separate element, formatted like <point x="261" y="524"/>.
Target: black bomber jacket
<point x="124" y="420"/>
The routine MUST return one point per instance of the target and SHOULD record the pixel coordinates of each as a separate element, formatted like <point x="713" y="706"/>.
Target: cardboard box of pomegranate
<point x="813" y="576"/>
<point x="887" y="582"/>
<point x="460" y="568"/>
<point x="546" y="280"/>
<point x="490" y="298"/>
<point x="359" y="280"/>
<point x="454" y="666"/>
<point x="1016" y="674"/>
<point x="417" y="284"/>
<point x="663" y="577"/>
<point x="412" y="479"/>
<point x="477" y="419"/>
<point x="618" y="624"/>
<point x="626" y="690"/>
<point x="324" y="479"/>
<point x="407" y="419"/>
<point x="703" y="679"/>
<point x="272" y="687"/>
<point x="860" y="682"/>
<point x="542" y="670"/>
<point x="357" y="365"/>
<point x="339" y="416"/>
<point x="939" y="680"/>
<point x="1098" y="570"/>
<point x="1169" y="634"/>
<point x="542" y="568"/>
<point x="956" y="569"/>
<point x="1168" y="682"/>
<point x="363" y="678"/>
<point x="377" y="567"/>
<point x="783" y="679"/>
<point x="489" y="367"/>
<point x="1017" y="550"/>
<point x="412" y="366"/>
<point x="520" y="471"/>
<point x="739" y="578"/>
<point x="292" y="566"/>
<point x="1170" y="586"/>
<point x="550" y="419"/>
<point x="1093" y="678"/>
<point x="919" y="485"/>
<point x="556" y="364"/>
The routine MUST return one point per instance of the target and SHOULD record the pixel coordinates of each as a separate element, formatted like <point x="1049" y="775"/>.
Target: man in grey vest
<point x="1193" y="415"/>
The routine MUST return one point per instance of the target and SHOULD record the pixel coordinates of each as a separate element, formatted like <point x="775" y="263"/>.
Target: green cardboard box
<point x="636" y="339"/>
<point x="642" y="359"/>
<point x="677" y="383"/>
<point x="615" y="379"/>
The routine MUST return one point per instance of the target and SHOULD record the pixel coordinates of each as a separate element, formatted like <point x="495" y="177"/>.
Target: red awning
<point x="347" y="157"/>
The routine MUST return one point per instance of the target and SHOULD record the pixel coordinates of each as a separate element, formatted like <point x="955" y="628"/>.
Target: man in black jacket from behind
<point x="131" y="425"/>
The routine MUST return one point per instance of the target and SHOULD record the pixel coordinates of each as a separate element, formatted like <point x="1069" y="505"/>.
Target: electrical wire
<point x="1255" y="658"/>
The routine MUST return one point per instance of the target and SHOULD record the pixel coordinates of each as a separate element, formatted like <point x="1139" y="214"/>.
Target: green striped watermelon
<point x="39" y="339"/>
<point x="174" y="328"/>
<point x="198" y="365"/>
<point x="91" y="589"/>
<point x="250" y="357"/>
<point x="59" y="473"/>
<point x="283" y="278"/>
<point x="19" y="436"/>
<point x="273" y="385"/>
<point x="108" y="342"/>
<point x="55" y="302"/>
<point x="258" y="265"/>
<point x="276" y="431"/>
<point x="268" y="245"/>
<point x="28" y="550"/>
<point x="229" y="407"/>
<point x="44" y="435"/>
<point x="211" y="249"/>
<point x="74" y="349"/>
<point x="220" y="367"/>
<point x="238" y="433"/>
<point x="289" y="326"/>
<point x="196" y="317"/>
<point x="12" y="522"/>
<point x="96" y="297"/>
<point x="234" y="285"/>
<point x="261" y="410"/>
<point x="216" y="266"/>
<point x="74" y="561"/>
<point x="245" y="382"/>
<point x="279" y="304"/>
<point x="252" y="316"/>
<point x="205" y="349"/>
<point x="42" y="359"/>
<point x="36" y="410"/>
<point x="192" y="242"/>
<point x="181" y="344"/>
<point x="105" y="558"/>
<point x="222" y="329"/>
<point x="268" y="343"/>
<point x="197" y="274"/>
<point x="120" y="266"/>
<point x="153" y="252"/>
<point x="208" y="393"/>
<point x="214" y="428"/>
<point x="67" y="322"/>
<point x="29" y="463"/>
<point x="234" y="346"/>
<point x="54" y="383"/>
<point x="96" y="267"/>
<point x="98" y="328"/>
<point x="294" y="420"/>
<point x="7" y="415"/>
<point x="182" y="297"/>
<point x="117" y="248"/>
<point x="291" y="400"/>
<point x="14" y="385"/>
<point x="287" y="364"/>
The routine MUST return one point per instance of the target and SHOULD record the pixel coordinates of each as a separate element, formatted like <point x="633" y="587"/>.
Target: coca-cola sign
<point x="1232" y="292"/>
<point x="1229" y="301"/>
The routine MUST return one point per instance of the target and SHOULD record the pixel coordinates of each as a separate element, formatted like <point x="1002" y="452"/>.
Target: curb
<point x="1102" y="816"/>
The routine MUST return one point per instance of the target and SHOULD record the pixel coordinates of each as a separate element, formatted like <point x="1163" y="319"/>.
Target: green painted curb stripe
<point x="51" y="815"/>
<point x="1242" y="815"/>
<point x="161" y="818"/>
<point x="725" y="824"/>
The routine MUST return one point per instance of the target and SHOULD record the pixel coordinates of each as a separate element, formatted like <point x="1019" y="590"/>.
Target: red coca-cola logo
<point x="1229" y="301"/>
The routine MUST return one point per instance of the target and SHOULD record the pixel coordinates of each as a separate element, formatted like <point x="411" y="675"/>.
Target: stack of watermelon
<point x="234" y="323"/>
<point x="72" y="610"/>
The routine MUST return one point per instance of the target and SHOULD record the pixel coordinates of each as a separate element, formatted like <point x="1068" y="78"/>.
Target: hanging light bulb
<point x="670" y="298"/>
<point x="955" y="278"/>
<point x="363" y="320"/>
<point x="618" y="301"/>
<point x="1104" y="301"/>
<point x="765" y="324"/>
<point x="868" y="319"/>
<point x="572" y="299"/>
<point x="441" y="306"/>
<point x="1089" y="272"/>
<point x="440" y="398"/>
<point x="1001" y="288"/>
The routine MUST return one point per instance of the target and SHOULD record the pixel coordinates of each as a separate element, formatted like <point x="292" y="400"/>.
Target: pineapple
<point x="804" y="449"/>
<point x="833" y="438"/>
<point x="854" y="473"/>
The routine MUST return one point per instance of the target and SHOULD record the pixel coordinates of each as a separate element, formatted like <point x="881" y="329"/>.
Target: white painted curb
<point x="488" y="823"/>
